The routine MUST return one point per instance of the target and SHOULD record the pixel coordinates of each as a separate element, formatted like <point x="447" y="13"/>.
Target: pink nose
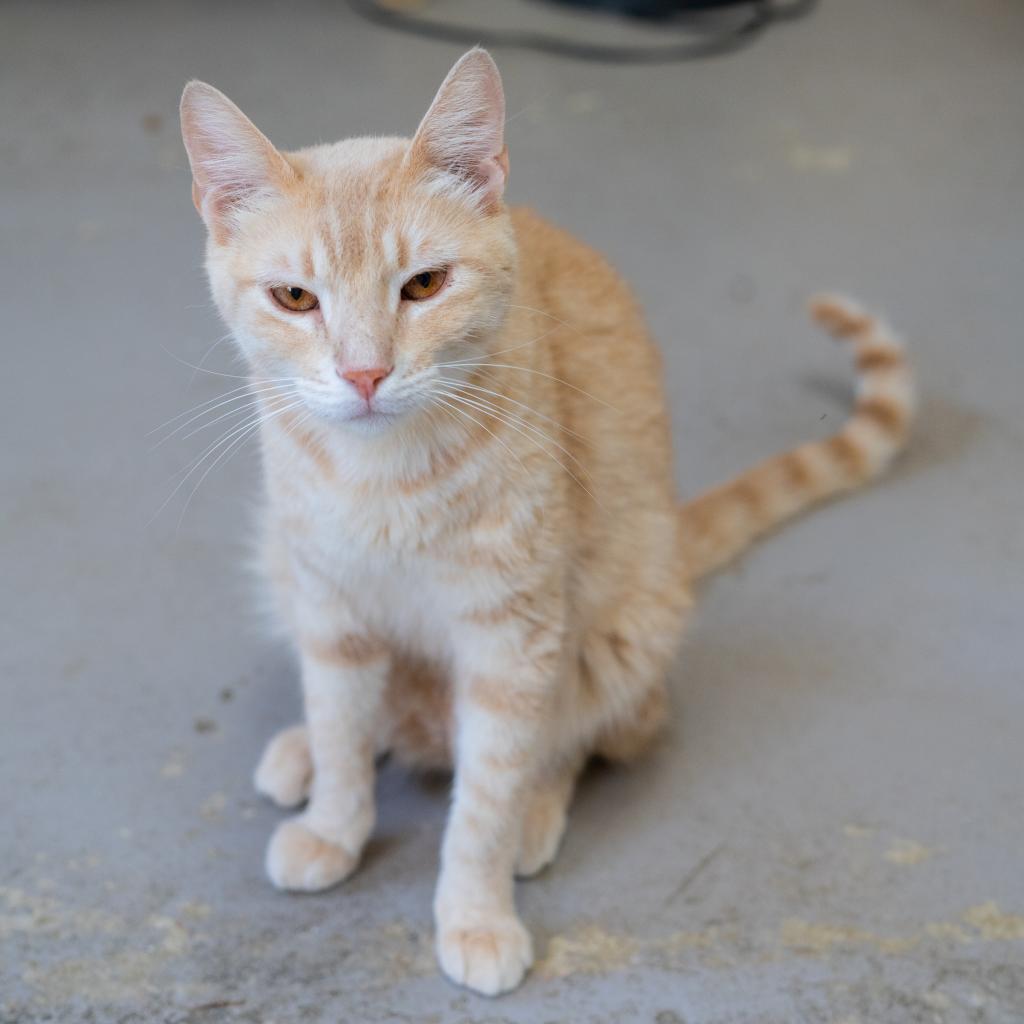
<point x="365" y="382"/>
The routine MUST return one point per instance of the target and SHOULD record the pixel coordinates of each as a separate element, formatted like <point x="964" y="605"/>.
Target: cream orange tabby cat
<point x="471" y="523"/>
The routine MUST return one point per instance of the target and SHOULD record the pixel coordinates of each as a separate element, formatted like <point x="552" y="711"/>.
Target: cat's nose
<point x="365" y="382"/>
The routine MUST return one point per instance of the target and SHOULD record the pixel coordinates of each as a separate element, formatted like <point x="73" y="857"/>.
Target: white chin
<point x="373" y="422"/>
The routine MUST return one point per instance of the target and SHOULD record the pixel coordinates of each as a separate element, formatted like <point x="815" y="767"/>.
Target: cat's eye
<point x="294" y="299"/>
<point x="423" y="285"/>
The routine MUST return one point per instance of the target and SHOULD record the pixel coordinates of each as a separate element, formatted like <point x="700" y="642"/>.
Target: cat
<point x="471" y="525"/>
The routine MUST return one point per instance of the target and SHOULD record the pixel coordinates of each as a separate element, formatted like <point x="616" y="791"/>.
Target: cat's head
<point x="354" y="270"/>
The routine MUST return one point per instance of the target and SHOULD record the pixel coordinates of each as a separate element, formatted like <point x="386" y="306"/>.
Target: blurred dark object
<point x="713" y="27"/>
<point x="657" y="9"/>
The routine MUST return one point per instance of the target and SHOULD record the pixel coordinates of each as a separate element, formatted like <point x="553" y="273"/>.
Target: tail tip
<point x="840" y="316"/>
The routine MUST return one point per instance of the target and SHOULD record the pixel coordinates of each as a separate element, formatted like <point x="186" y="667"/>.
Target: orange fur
<point x="482" y="558"/>
<point x="721" y="523"/>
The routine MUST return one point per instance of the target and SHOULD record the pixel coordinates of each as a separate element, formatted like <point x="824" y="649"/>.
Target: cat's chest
<point x="375" y="532"/>
<point x="414" y="555"/>
<point x="396" y="561"/>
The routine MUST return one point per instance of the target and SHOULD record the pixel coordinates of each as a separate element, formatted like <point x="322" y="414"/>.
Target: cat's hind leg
<point x="625" y="661"/>
<point x="545" y="817"/>
<point x="285" y="772"/>
<point x="628" y="738"/>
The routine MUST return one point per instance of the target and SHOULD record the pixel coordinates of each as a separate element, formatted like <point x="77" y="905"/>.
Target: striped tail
<point x="721" y="523"/>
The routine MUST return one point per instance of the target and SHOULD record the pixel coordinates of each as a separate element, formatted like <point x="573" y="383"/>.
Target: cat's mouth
<point x="366" y="417"/>
<point x="343" y="410"/>
<point x="367" y="421"/>
<point x="369" y="415"/>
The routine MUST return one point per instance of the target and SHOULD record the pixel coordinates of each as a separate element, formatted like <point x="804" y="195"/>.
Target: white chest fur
<point x="398" y="557"/>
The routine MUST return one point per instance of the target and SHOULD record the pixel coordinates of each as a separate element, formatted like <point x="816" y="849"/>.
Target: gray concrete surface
<point x="833" y="832"/>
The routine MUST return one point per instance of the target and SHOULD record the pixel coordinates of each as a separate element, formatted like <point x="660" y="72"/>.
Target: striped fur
<point x="491" y="572"/>
<point x="718" y="525"/>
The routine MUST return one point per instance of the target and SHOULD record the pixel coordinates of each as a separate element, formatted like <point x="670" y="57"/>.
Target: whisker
<point x="501" y="351"/>
<point x="522" y="405"/>
<point x="243" y="393"/>
<point x="233" y="447"/>
<point x="224" y="337"/>
<point x="511" y="418"/>
<point x="209" y="401"/>
<point x="540" y="373"/>
<point x="538" y="445"/>
<point x="318" y="441"/>
<point x="215" y="373"/>
<point x="227" y="436"/>
<point x="236" y="443"/>
<point x="473" y="419"/>
<point x="557" y="462"/>
<point x="433" y="403"/>
<point x="550" y="316"/>
<point x="519" y="113"/>
<point x="281" y="391"/>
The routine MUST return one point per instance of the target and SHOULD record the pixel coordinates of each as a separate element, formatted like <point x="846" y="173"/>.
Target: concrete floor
<point x="833" y="833"/>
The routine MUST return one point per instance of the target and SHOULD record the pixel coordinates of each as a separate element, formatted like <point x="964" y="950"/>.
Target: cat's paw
<point x="285" y="771"/>
<point x="542" y="830"/>
<point x="487" y="954"/>
<point x="301" y="861"/>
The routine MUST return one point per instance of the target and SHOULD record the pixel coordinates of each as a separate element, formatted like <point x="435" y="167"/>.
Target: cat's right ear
<point x="463" y="132"/>
<point x="233" y="163"/>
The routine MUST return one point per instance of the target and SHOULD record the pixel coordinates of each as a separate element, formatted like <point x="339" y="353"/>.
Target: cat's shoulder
<point x="534" y="232"/>
<point x="565" y="260"/>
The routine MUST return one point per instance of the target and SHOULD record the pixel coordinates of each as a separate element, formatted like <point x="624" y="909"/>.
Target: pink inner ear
<point x="232" y="160"/>
<point x="502" y="161"/>
<point x="463" y="131"/>
<point x="494" y="174"/>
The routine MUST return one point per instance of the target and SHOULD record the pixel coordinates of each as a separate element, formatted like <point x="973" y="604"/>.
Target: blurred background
<point x="833" y="832"/>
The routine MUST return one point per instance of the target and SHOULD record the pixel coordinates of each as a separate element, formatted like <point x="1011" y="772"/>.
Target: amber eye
<point x="294" y="298"/>
<point x="423" y="285"/>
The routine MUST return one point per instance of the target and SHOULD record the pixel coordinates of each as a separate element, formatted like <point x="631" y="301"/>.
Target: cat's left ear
<point x="463" y="132"/>
<point x="234" y="164"/>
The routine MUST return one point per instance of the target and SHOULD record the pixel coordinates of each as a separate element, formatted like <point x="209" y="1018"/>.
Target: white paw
<point x="489" y="955"/>
<point x="542" y="830"/>
<point x="301" y="861"/>
<point x="285" y="771"/>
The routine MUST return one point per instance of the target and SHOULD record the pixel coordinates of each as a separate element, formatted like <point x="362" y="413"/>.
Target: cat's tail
<point x="719" y="524"/>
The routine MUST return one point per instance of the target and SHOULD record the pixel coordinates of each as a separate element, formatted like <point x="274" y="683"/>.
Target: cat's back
<point x="568" y="280"/>
<point x="572" y="275"/>
<point x="602" y="379"/>
<point x="598" y="334"/>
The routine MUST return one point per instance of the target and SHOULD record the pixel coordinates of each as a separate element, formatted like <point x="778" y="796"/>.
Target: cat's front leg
<point x="344" y="671"/>
<point x="504" y="703"/>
